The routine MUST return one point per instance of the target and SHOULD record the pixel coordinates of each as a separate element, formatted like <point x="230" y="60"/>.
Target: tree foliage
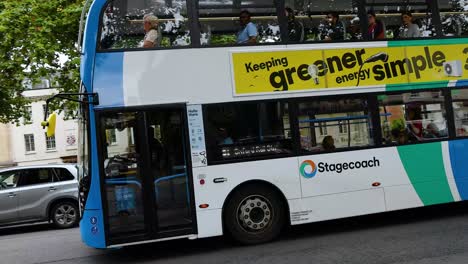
<point x="34" y="36"/>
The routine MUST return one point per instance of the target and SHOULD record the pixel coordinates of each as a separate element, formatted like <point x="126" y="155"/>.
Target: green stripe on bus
<point x="416" y="86"/>
<point x="427" y="42"/>
<point x="425" y="168"/>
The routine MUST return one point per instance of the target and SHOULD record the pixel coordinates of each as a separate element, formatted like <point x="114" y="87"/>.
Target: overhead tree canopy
<point x="33" y="36"/>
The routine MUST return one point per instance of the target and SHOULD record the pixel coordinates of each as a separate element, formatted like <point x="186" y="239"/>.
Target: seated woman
<point x="375" y="29"/>
<point x="328" y="143"/>
<point x="150" y="25"/>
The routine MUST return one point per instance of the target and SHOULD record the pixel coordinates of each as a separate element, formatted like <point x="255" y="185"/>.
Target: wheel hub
<point x="255" y="213"/>
<point x="65" y="215"/>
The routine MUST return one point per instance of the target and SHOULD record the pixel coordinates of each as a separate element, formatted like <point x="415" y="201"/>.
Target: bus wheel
<point x="254" y="214"/>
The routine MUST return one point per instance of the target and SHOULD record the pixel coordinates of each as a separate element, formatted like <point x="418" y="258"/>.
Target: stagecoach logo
<point x="309" y="169"/>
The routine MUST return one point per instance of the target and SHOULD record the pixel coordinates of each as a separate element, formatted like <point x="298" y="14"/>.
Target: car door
<point x="35" y="189"/>
<point x="65" y="183"/>
<point x="8" y="196"/>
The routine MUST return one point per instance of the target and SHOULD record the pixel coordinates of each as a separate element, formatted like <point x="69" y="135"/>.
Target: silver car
<point x="39" y="193"/>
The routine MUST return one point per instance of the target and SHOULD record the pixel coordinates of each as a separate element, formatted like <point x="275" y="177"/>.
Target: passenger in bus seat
<point x="354" y="30"/>
<point x="225" y="138"/>
<point x="150" y="25"/>
<point x="328" y="143"/>
<point x="414" y="122"/>
<point x="408" y="29"/>
<point x="375" y="29"/>
<point x="295" y="28"/>
<point x="400" y="136"/>
<point x="248" y="32"/>
<point x="332" y="28"/>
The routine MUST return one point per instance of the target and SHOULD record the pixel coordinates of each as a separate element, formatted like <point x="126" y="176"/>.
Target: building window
<point x="343" y="127"/>
<point x="68" y="113"/>
<point x="29" y="143"/>
<point x="113" y="137"/>
<point x="27" y="119"/>
<point x="41" y="84"/>
<point x="50" y="142"/>
<point x="323" y="129"/>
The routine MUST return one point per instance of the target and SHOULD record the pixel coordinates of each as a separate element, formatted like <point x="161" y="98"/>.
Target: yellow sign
<point x="301" y="70"/>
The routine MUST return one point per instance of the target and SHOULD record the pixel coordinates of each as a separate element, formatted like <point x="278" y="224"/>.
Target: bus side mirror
<point x="50" y="124"/>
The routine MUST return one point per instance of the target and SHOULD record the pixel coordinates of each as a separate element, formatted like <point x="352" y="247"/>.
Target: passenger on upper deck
<point x="375" y="29"/>
<point x="295" y="28"/>
<point x="248" y="32"/>
<point x="150" y="24"/>
<point x="332" y="28"/>
<point x="408" y="29"/>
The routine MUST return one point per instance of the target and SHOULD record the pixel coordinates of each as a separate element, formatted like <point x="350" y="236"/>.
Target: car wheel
<point x="64" y="215"/>
<point x="254" y="214"/>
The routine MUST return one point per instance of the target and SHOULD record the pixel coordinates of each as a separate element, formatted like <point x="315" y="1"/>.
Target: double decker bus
<point x="318" y="117"/>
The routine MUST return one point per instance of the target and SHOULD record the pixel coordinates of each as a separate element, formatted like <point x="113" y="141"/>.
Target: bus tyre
<point x="64" y="214"/>
<point x="254" y="214"/>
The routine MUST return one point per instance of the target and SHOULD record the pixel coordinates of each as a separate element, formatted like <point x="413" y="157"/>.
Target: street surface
<point x="420" y="236"/>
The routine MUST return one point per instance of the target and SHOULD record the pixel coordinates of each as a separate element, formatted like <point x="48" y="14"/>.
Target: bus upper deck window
<point x="453" y="17"/>
<point x="227" y="23"/>
<point x="398" y="21"/>
<point x="316" y="21"/>
<point x="128" y="24"/>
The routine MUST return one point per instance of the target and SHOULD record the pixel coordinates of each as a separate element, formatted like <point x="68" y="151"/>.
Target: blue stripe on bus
<point x="94" y="196"/>
<point x="108" y="79"/>
<point x="461" y="83"/>
<point x="92" y="229"/>
<point x="457" y="150"/>
<point x="92" y="232"/>
<point x="89" y="43"/>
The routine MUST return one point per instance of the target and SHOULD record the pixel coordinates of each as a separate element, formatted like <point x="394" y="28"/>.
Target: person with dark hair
<point x="414" y="121"/>
<point x="295" y="28"/>
<point x="328" y="143"/>
<point x="248" y="31"/>
<point x="408" y="29"/>
<point x="375" y="29"/>
<point x="332" y="28"/>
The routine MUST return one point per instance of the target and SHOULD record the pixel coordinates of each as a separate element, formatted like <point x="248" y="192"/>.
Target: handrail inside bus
<point x="339" y="118"/>
<point x="235" y="18"/>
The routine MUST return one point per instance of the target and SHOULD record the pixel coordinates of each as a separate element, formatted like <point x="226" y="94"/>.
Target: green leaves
<point x="33" y="33"/>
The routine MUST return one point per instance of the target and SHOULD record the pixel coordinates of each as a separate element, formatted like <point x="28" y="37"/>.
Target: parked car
<point x="39" y="193"/>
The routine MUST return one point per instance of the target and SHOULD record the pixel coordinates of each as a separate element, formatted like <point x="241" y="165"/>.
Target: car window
<point x="8" y="179"/>
<point x="63" y="174"/>
<point x="36" y="176"/>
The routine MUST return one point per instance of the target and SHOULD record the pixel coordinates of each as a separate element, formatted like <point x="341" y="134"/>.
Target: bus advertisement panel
<point x="387" y="64"/>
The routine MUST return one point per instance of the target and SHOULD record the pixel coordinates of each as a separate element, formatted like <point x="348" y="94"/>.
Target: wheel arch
<point x="54" y="202"/>
<point x="257" y="182"/>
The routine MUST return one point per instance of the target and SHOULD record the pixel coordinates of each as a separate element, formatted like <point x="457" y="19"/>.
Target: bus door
<point x="146" y="175"/>
<point x="168" y="169"/>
